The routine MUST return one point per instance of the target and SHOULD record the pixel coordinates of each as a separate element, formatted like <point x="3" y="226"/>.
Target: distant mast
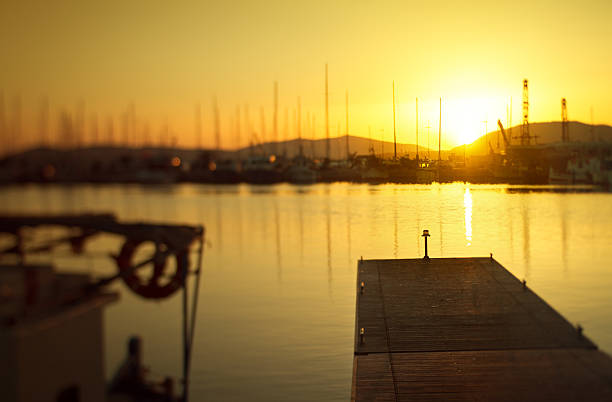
<point x="238" y="124"/>
<point x="440" y="136"/>
<point x="217" y="129"/>
<point x="510" y="123"/>
<point x="347" y="128"/>
<point x="327" y="145"/>
<point x="299" y="126"/>
<point x="198" y="125"/>
<point x="286" y="133"/>
<point x="43" y="122"/>
<point x="275" y="122"/>
<point x="262" y="139"/>
<point x="394" y="139"/>
<point x="248" y="128"/>
<point x="564" y="122"/>
<point x="591" y="129"/>
<point x="428" y="149"/>
<point x="525" y="137"/>
<point x="417" y="129"/>
<point x="338" y="142"/>
<point x="313" y="134"/>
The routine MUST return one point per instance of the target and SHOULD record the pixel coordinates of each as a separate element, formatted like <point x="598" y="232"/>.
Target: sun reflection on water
<point x="467" y="205"/>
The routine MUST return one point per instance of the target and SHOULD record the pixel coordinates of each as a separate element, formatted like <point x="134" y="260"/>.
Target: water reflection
<point x="301" y="225"/>
<point x="467" y="205"/>
<point x="395" y="240"/>
<point x="417" y="230"/>
<point x="526" y="237"/>
<point x="278" y="243"/>
<point x="219" y="223"/>
<point x="348" y="230"/>
<point x="239" y="208"/>
<point x="283" y="251"/>
<point x="329" y="245"/>
<point x="440" y="220"/>
<point x="564" y="233"/>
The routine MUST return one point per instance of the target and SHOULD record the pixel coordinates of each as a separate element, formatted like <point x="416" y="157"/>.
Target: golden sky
<point x="165" y="57"/>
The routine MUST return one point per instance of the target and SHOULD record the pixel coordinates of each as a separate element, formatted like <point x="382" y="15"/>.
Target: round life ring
<point x="150" y="289"/>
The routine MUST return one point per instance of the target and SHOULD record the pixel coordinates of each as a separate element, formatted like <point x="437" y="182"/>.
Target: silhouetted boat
<point x="300" y="173"/>
<point x="260" y="169"/>
<point x="227" y="171"/>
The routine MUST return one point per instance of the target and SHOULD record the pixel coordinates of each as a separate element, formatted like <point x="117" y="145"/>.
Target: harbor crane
<point x="503" y="132"/>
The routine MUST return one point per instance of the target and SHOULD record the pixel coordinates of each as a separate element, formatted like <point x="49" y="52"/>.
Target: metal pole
<point x="440" y="136"/>
<point x="348" y="153"/>
<point x="425" y="235"/>
<point x="185" y="336"/>
<point x="327" y="145"/>
<point x="394" y="139"/>
<point x="417" y="130"/>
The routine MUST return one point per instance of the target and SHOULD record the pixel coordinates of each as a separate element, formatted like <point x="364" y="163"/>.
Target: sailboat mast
<point x="347" y="128"/>
<point x="262" y="139"/>
<point x="198" y="125"/>
<point x="313" y="135"/>
<point x="217" y="126"/>
<point x="327" y="147"/>
<point x="417" y="129"/>
<point x="440" y="135"/>
<point x="275" y="122"/>
<point x="299" y="125"/>
<point x="394" y="139"/>
<point x="238" y="129"/>
<point x="510" y="122"/>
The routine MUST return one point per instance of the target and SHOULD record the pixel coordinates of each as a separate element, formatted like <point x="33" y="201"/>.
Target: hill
<point x="337" y="145"/>
<point x="546" y="132"/>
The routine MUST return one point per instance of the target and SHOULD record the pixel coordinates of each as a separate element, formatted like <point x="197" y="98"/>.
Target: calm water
<point x="276" y="312"/>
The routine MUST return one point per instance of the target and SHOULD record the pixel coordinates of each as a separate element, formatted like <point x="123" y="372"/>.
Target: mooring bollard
<point x="425" y="235"/>
<point x="362" y="286"/>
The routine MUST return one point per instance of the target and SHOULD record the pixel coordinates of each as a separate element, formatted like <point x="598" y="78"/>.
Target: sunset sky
<point x="164" y="58"/>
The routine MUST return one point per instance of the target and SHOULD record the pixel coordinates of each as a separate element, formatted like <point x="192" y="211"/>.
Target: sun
<point x="467" y="118"/>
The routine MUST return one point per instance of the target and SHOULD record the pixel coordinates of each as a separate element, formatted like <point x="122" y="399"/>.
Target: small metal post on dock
<point x="425" y="235"/>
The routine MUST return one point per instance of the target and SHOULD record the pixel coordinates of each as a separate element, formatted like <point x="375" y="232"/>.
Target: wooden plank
<point x="370" y="315"/>
<point x="372" y="379"/>
<point x="454" y="304"/>
<point x="466" y="329"/>
<point x="512" y="375"/>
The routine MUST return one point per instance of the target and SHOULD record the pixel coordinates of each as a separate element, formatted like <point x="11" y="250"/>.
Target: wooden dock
<point x="453" y="329"/>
